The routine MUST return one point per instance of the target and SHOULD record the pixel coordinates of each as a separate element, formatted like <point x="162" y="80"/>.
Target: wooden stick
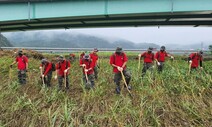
<point x="189" y="68"/>
<point x="122" y="75"/>
<point x="139" y="62"/>
<point x="86" y="76"/>
<point x="65" y="79"/>
<point x="43" y="81"/>
<point x="41" y="73"/>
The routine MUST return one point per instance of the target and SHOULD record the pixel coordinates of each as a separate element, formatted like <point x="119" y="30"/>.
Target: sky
<point x="161" y="35"/>
<point x="157" y="35"/>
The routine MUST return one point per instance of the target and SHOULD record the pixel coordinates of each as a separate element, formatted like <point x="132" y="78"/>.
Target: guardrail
<point x="69" y="50"/>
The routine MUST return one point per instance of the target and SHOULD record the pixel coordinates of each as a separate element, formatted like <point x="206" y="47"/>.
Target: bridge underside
<point x="104" y="13"/>
<point x="136" y="20"/>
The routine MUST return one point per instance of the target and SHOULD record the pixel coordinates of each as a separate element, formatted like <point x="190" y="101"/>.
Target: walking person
<point x="46" y="69"/>
<point x="88" y="71"/>
<point x="62" y="72"/>
<point x="22" y="61"/>
<point x="94" y="57"/>
<point x="160" y="58"/>
<point x="148" y="60"/>
<point x="118" y="61"/>
<point x="195" y="60"/>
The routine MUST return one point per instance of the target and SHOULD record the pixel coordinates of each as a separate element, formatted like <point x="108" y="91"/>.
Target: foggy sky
<point x="157" y="35"/>
<point x="161" y="35"/>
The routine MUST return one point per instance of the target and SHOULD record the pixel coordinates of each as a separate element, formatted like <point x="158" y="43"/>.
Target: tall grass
<point x="170" y="98"/>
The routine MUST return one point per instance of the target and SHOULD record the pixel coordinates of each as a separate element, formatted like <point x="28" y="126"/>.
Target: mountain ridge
<point x="70" y="40"/>
<point x="4" y="42"/>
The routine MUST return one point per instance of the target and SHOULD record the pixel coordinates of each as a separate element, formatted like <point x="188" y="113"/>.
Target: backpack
<point x="53" y="67"/>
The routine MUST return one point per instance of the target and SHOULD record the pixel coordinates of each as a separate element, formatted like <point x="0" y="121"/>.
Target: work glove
<point x="86" y="70"/>
<point x="83" y="65"/>
<point x="55" y="77"/>
<point x="11" y="65"/>
<point x="172" y="57"/>
<point x="40" y="67"/>
<point x="201" y="68"/>
<point x="139" y="55"/>
<point x="190" y="61"/>
<point x="158" y="63"/>
<point x="65" y="71"/>
<point x="120" y="68"/>
<point x="42" y="76"/>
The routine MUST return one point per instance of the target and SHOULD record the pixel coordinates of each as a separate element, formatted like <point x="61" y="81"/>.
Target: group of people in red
<point x="89" y="64"/>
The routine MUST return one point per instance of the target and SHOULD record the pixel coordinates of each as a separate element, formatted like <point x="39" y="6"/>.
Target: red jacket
<point x="148" y="57"/>
<point x="47" y="68"/>
<point x="89" y="64"/>
<point x="118" y="60"/>
<point x="22" y="60"/>
<point x="195" y="58"/>
<point x="160" y="56"/>
<point x="61" y="66"/>
<point x="94" y="58"/>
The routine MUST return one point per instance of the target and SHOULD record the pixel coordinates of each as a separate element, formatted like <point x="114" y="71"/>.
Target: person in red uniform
<point x="94" y="57"/>
<point x="72" y="57"/>
<point x="160" y="58"/>
<point x="148" y="60"/>
<point x="46" y="68"/>
<point x="88" y="68"/>
<point x="22" y="61"/>
<point x="195" y="59"/>
<point x="62" y="71"/>
<point x="118" y="61"/>
<point x="81" y="55"/>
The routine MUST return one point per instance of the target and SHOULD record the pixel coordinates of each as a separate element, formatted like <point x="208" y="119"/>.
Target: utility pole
<point x="0" y="40"/>
<point x="201" y="45"/>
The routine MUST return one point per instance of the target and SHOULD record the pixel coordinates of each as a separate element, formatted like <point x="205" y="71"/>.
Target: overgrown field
<point x="172" y="98"/>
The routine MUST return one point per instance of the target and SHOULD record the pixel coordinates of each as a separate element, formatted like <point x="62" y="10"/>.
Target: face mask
<point x="61" y="61"/>
<point x="118" y="53"/>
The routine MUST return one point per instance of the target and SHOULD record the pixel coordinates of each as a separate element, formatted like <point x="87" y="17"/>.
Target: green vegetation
<point x="210" y="48"/>
<point x="172" y="98"/>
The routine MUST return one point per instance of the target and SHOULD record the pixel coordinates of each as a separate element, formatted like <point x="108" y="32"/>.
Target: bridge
<point x="23" y="15"/>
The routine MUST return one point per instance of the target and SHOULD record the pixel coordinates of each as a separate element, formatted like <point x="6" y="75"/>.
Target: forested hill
<point x="4" y="41"/>
<point x="70" y="40"/>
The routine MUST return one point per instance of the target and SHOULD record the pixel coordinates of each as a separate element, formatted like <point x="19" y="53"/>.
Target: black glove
<point x="11" y="65"/>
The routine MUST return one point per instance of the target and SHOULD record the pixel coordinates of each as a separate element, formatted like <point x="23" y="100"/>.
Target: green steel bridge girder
<point x="99" y="13"/>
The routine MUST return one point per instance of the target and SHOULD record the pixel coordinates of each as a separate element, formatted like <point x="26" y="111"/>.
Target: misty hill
<point x="69" y="40"/>
<point x="4" y="42"/>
